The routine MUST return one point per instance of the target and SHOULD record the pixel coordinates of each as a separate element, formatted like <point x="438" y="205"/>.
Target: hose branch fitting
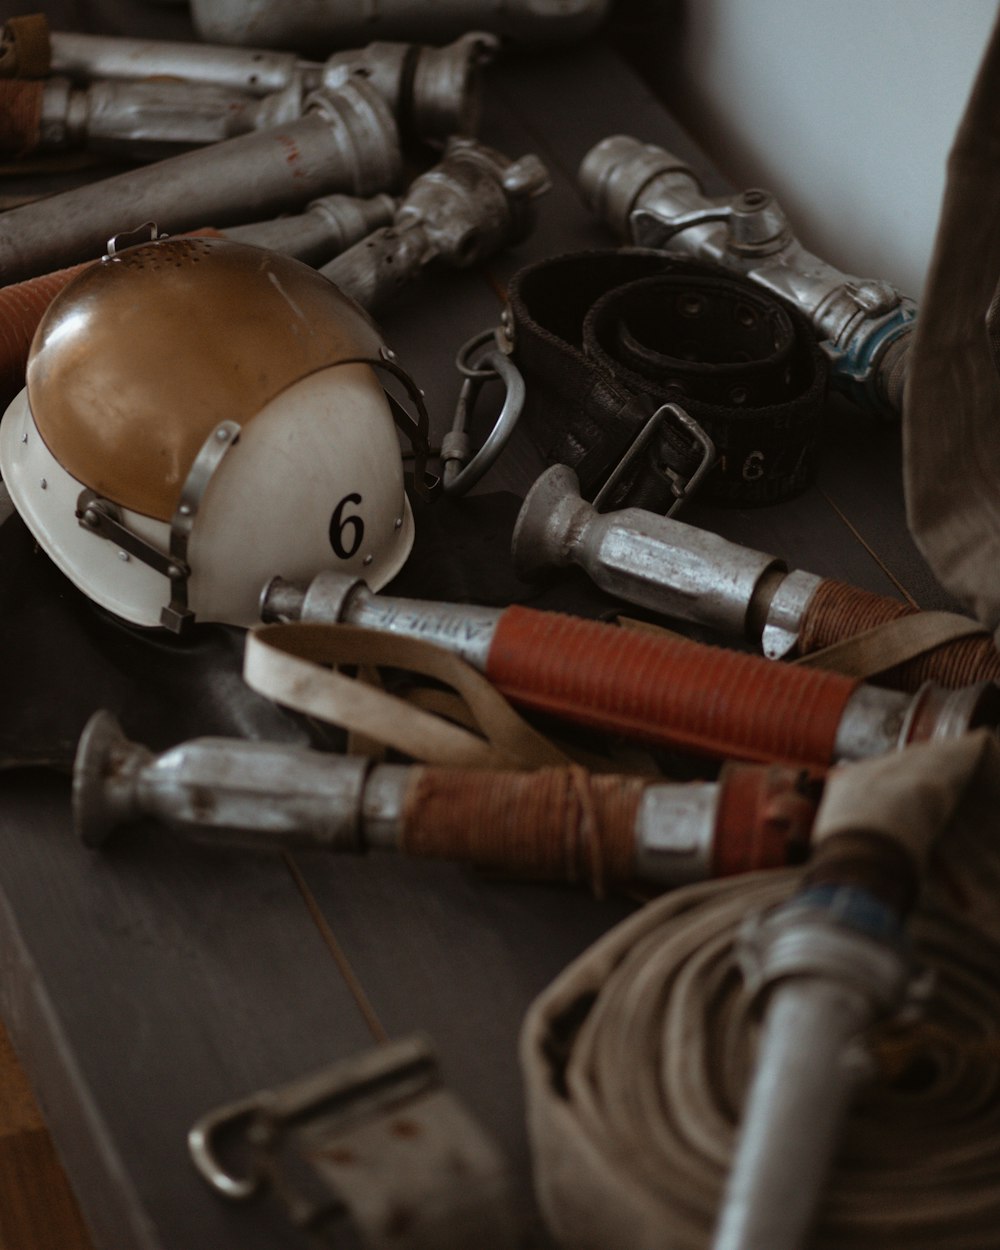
<point x="651" y="198"/>
<point x="466" y="208"/>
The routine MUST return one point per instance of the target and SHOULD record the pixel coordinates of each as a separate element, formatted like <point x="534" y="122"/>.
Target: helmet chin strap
<point x="104" y="518"/>
<point x="416" y="428"/>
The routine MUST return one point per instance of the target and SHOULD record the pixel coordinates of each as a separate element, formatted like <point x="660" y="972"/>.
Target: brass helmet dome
<point x="199" y="416"/>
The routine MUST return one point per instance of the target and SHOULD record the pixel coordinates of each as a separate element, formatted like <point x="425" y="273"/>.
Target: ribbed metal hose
<point x="638" y="1057"/>
<point x="838" y="611"/>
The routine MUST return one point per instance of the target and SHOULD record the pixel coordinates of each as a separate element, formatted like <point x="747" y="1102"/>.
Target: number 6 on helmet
<point x="199" y="416"/>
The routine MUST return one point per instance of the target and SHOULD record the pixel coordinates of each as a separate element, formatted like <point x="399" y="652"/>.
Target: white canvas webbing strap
<point x="291" y="664"/>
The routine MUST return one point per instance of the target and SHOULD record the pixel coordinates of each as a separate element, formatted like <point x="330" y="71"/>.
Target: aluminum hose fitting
<point x="147" y="121"/>
<point x="434" y="92"/>
<point x="650" y="197"/>
<point x="469" y="206"/>
<point x="346" y="142"/>
<point x="331" y="24"/>
<point x="654" y="687"/>
<point x="660" y="563"/>
<point x="274" y="796"/>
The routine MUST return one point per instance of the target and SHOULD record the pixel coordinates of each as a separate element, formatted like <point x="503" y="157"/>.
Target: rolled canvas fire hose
<point x="641" y="1057"/>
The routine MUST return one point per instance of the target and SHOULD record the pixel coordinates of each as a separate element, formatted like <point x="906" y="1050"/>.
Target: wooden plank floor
<point x="145" y="985"/>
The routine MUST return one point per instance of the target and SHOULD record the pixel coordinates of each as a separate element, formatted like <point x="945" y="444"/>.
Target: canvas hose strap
<point x="882" y="647"/>
<point x="290" y="664"/>
<point x="952" y="403"/>
<point x="605" y="338"/>
<point x="637" y="1058"/>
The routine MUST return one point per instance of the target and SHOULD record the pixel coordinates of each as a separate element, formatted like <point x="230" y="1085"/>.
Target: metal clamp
<point x="682" y="489"/>
<point x="463" y="469"/>
<point x="376" y="1140"/>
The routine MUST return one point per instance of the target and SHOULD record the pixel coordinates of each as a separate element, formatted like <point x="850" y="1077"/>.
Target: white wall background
<point x="846" y="111"/>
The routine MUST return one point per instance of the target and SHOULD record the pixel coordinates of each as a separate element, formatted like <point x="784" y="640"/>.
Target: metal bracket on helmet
<point x="104" y="518"/>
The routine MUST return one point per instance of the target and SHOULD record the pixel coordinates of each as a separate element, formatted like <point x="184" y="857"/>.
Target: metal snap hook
<point x="463" y="469"/>
<point x="201" y="1147"/>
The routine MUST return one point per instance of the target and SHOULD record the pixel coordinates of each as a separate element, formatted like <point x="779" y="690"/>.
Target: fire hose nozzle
<point x="469" y="206"/>
<point x="694" y="575"/>
<point x="433" y="91"/>
<point x="653" y="199"/>
<point x="272" y="796"/>
<point x="230" y="791"/>
<point x="655" y="687"/>
<point x="653" y="561"/>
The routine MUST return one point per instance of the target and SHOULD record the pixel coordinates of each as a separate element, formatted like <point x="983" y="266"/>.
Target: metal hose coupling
<point x="347" y="141"/>
<point x="433" y="92"/>
<point x="551" y="824"/>
<point x="690" y="574"/>
<point x="654" y="687"/>
<point x="652" y="198"/>
<point x="469" y="206"/>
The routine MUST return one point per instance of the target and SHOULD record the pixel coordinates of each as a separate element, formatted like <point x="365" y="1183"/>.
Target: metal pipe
<point x="256" y="71"/>
<point x="329" y="225"/>
<point x="335" y="23"/>
<point x="656" y="688"/>
<point x="832" y="964"/>
<point x="471" y="204"/>
<point x="271" y="795"/>
<point x="346" y="142"/>
<point x="649" y="196"/>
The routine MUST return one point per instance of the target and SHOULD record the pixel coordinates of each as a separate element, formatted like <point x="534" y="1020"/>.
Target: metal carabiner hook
<point x="461" y="469"/>
<point x="201" y="1148"/>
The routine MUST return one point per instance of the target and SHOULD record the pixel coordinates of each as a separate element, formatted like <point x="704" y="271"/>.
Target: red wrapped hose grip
<point x="668" y="691"/>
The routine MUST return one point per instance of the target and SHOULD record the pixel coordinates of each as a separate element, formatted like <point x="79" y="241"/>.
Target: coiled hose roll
<point x="637" y="1059"/>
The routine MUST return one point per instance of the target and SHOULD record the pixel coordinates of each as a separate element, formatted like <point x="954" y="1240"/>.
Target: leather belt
<point x="605" y="338"/>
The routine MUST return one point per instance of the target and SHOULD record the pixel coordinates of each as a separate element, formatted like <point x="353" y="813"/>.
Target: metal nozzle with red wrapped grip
<point x="556" y="824"/>
<point x="654" y="687"/>
<point x="691" y="574"/>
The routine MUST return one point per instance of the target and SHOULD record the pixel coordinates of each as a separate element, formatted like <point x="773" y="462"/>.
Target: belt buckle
<point x="376" y="1139"/>
<point x="682" y="489"/>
